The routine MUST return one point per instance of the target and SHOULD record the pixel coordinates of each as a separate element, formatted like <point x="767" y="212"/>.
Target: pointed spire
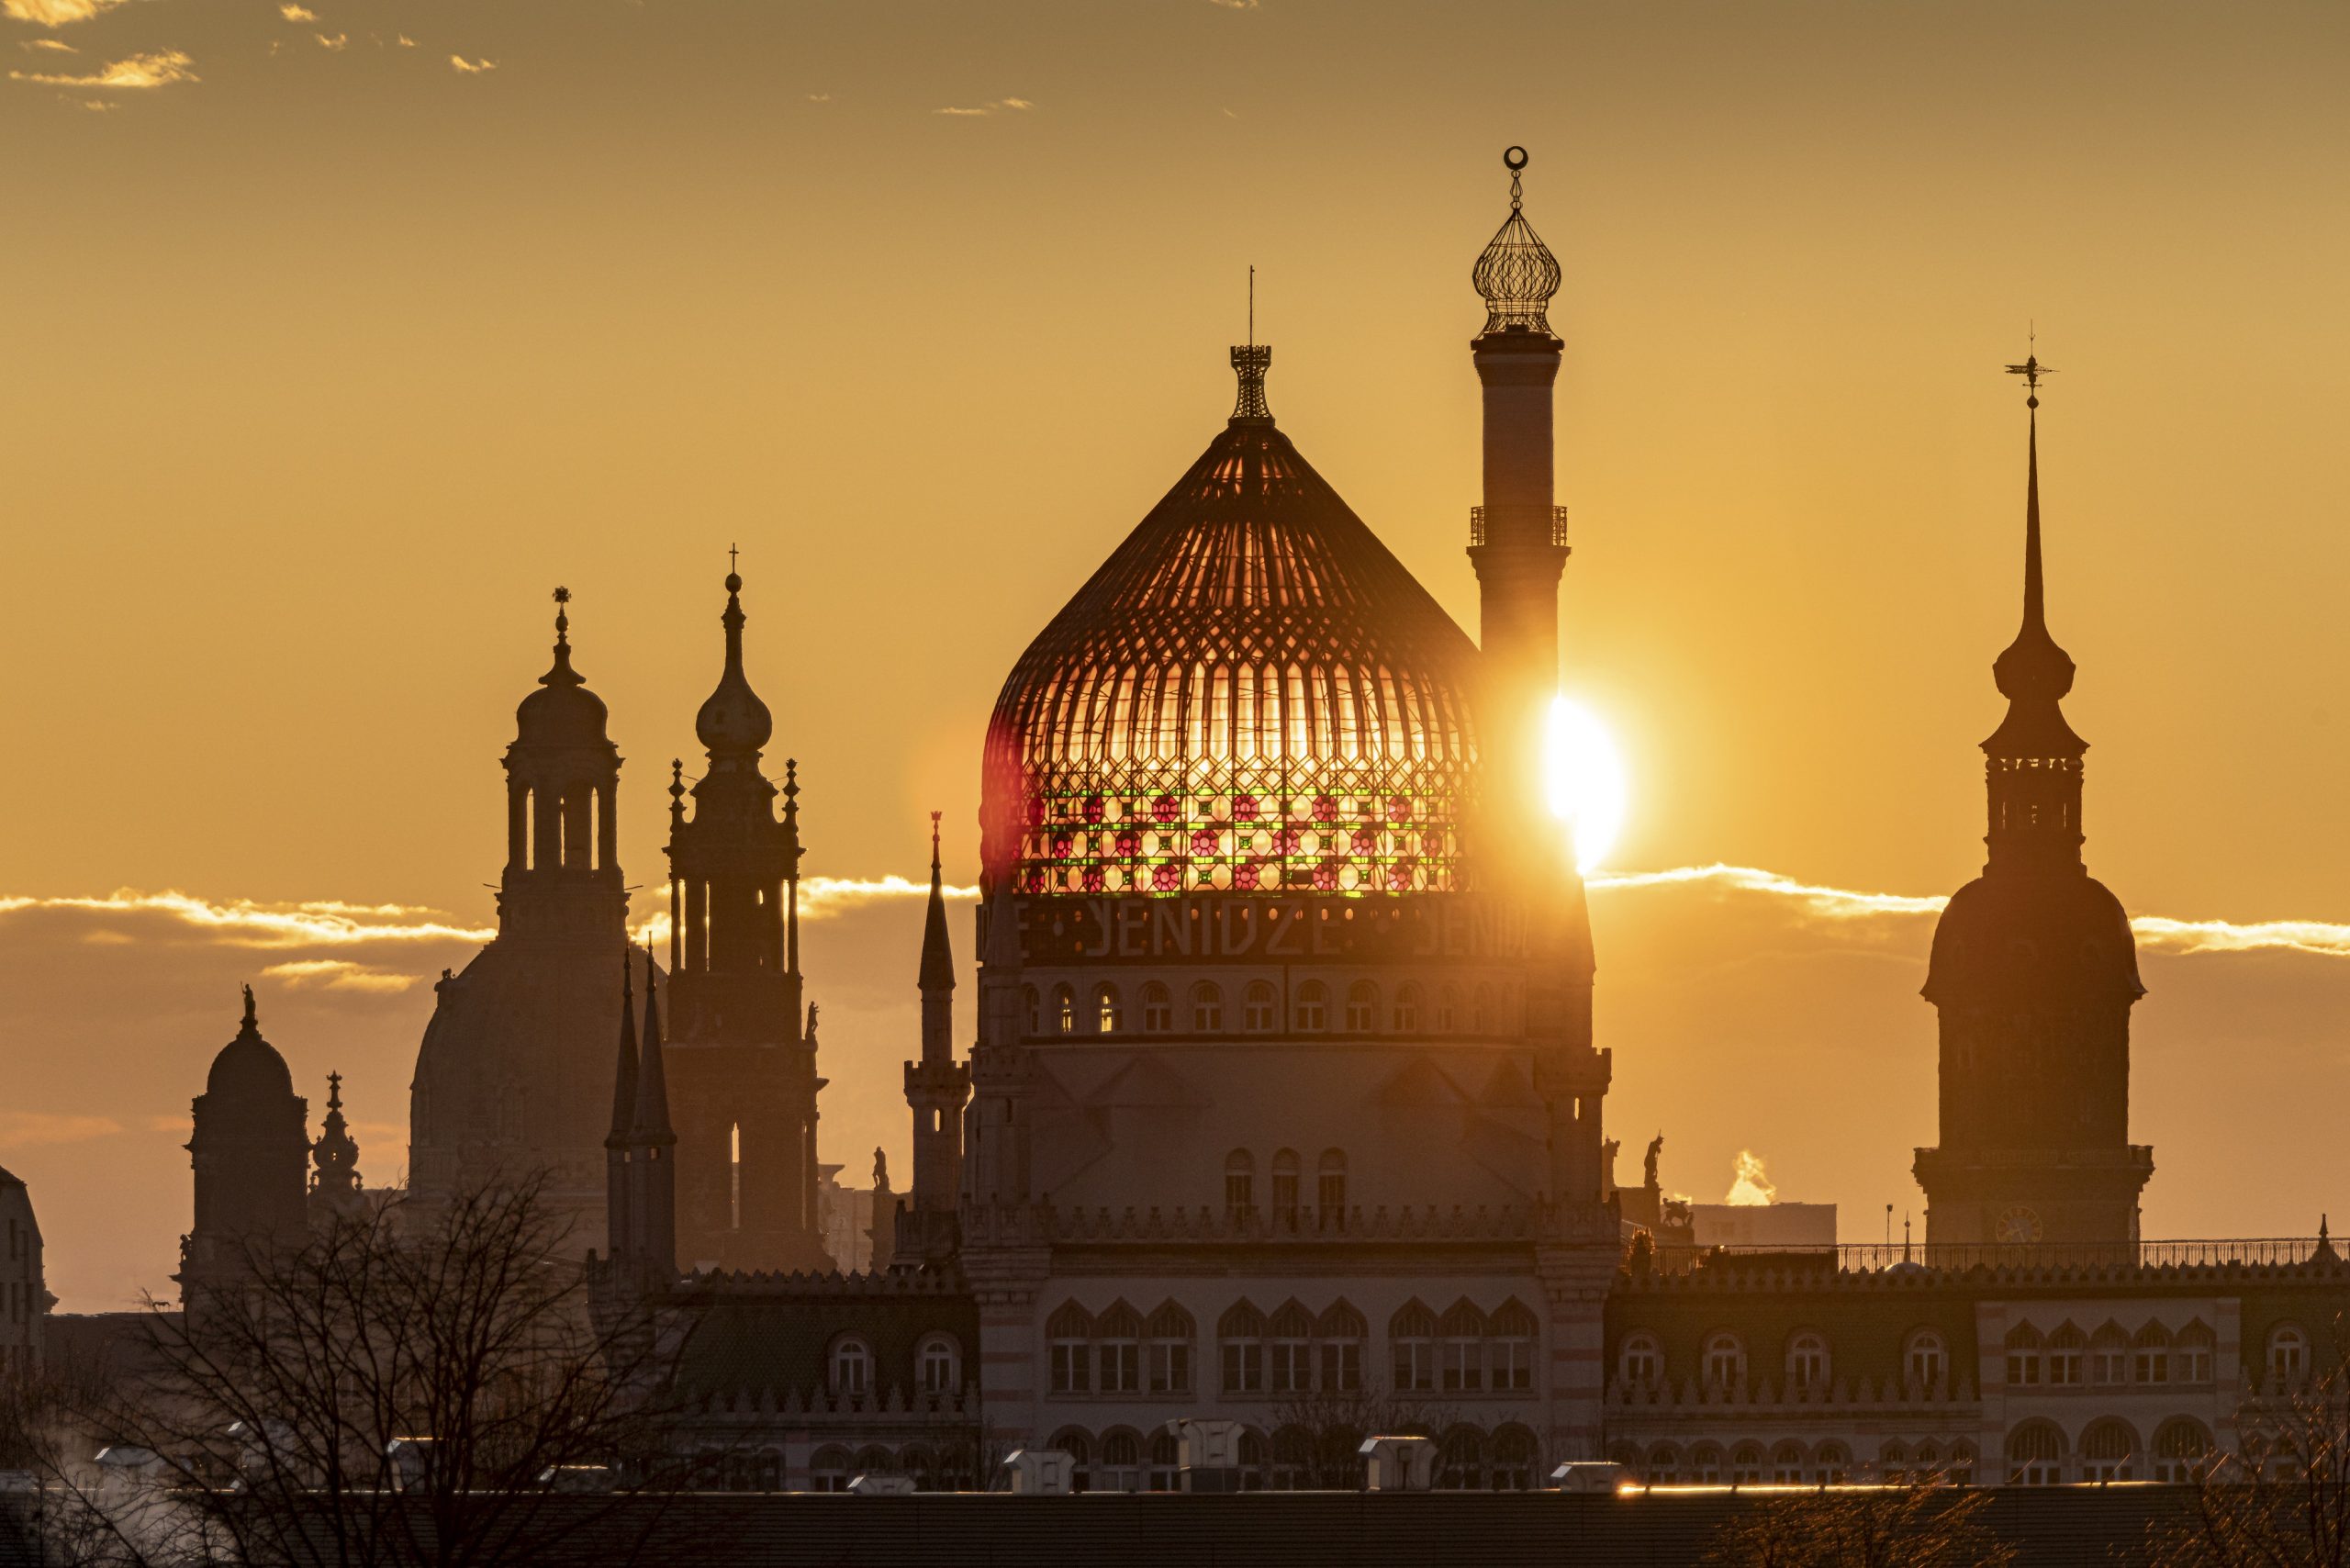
<point x="652" y="1124"/>
<point x="938" y="951"/>
<point x="625" y="1077"/>
<point x="2033" y="673"/>
<point x="561" y="673"/>
<point x="733" y="724"/>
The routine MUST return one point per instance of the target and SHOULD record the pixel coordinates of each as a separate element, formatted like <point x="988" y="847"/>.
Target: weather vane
<point x="2032" y="370"/>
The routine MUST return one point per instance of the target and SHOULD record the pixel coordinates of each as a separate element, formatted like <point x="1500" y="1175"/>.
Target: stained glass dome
<point x="1251" y="695"/>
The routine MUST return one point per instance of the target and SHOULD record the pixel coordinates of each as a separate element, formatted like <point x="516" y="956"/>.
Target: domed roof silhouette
<point x="2053" y="939"/>
<point x="1251" y="694"/>
<point x="563" y="711"/>
<point x="248" y="1068"/>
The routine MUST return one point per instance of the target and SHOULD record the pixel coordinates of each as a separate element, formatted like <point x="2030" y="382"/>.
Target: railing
<point x="2269" y="1251"/>
<point x="1558" y="525"/>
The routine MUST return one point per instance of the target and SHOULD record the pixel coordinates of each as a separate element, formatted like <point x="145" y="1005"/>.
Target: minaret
<point x="250" y="1149"/>
<point x="653" y="1145"/>
<point x="620" y="1143"/>
<point x="937" y="1087"/>
<point x="335" y="1190"/>
<point x="2033" y="975"/>
<point x="742" y="1064"/>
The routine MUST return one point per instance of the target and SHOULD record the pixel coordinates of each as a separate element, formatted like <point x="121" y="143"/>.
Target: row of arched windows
<point x="1293" y="1352"/>
<point x="1314" y="1008"/>
<point x="1286" y="1195"/>
<point x="2066" y="1357"/>
<point x="1786" y="1462"/>
<point x="853" y="1372"/>
<point x="1296" y="1458"/>
<point x="2108" y="1449"/>
<point x="1805" y="1361"/>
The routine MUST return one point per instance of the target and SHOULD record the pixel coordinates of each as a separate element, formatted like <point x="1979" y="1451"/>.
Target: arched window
<point x="1339" y="1335"/>
<point x="1078" y="1446"/>
<point x="1830" y="1464"/>
<point x="1447" y="1009"/>
<point x="1462" y="1352"/>
<point x="1119" y="1469"/>
<point x="1207" y="1008"/>
<point x="1257" y="1008"/>
<point x="1330" y="1187"/>
<point x="1786" y="1462"/>
<point x="1240" y="1186"/>
<point x="1252" y="1459"/>
<point x="1411" y="1333"/>
<point x="852" y="1367"/>
<point x="1893" y="1464"/>
<point x="1293" y="1349"/>
<point x="1313" y="1007"/>
<point x="2035" y="1455"/>
<point x="1705" y="1464"/>
<point x="2288" y="1352"/>
<point x="2150" y="1354"/>
<point x="1512" y="1453"/>
<point x="1925" y="1358"/>
<point x="1032" y="1010"/>
<point x="1064" y="1010"/>
<point x="941" y="1361"/>
<point x="1662" y="1467"/>
<point x="1171" y="1332"/>
<point x="1164" y="1458"/>
<point x="2064" y="1347"/>
<point x="1118" y="1350"/>
<point x="1362" y="1007"/>
<point x="1071" y="1334"/>
<point x="1460" y="1461"/>
<point x="1806" y="1360"/>
<point x="2191" y="1353"/>
<point x="1285" y="1186"/>
<point x="1639" y="1359"/>
<point x="2109" y="1355"/>
<point x="1960" y="1467"/>
<point x="872" y="1460"/>
<point x="1746" y="1465"/>
<point x="1158" y="1009"/>
<point x="2023" y="1356"/>
<point x="1240" y="1334"/>
<point x="1724" y="1359"/>
<point x="1509" y="1355"/>
<point x="1480" y="1009"/>
<point x="1108" y="1015"/>
<point x="1407" y="1008"/>
<point x="828" y="1470"/>
<point x="2182" y="1447"/>
<point x="2106" y="1448"/>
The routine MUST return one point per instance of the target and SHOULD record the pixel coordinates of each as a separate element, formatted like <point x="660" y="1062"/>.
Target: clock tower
<point x="2034" y="972"/>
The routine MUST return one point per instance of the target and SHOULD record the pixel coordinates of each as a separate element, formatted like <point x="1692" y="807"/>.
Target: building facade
<point x="25" y="1301"/>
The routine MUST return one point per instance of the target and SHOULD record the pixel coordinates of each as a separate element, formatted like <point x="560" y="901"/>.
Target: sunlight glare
<point x="1587" y="781"/>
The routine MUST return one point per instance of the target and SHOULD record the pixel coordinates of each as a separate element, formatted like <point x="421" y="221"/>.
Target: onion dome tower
<point x="510" y="1075"/>
<point x="741" y="1060"/>
<point x="2034" y="972"/>
<point x="1251" y="695"/>
<point x="251" y="1148"/>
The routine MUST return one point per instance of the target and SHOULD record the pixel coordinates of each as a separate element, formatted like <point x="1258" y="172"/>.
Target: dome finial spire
<point x="1517" y="275"/>
<point x="1249" y="362"/>
<point x="562" y="616"/>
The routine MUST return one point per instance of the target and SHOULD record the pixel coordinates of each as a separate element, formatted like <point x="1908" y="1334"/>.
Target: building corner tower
<point x="2033" y="975"/>
<point x="937" y="1088"/>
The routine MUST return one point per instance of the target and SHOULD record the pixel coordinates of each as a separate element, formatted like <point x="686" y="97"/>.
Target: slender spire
<point x="792" y="852"/>
<point x="652" y="1083"/>
<point x="2033" y="673"/>
<point x="937" y="952"/>
<point x="624" y="1077"/>
<point x="561" y="673"/>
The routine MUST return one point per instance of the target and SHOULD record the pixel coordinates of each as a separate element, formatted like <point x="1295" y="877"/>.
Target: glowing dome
<point x="1251" y="695"/>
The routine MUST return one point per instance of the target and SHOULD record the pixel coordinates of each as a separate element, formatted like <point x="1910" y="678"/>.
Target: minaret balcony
<point x="1477" y="525"/>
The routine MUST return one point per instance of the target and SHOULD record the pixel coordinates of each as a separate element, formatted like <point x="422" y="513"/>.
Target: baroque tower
<point x="250" y="1150"/>
<point x="2034" y="972"/>
<point x="510" y="1076"/>
<point x="742" y="1051"/>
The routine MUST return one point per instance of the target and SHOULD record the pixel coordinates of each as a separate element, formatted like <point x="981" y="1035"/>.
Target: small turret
<point x="653" y="1207"/>
<point x="334" y="1189"/>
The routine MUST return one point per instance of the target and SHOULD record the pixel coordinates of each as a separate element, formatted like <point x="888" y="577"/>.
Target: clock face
<point x="2017" y="1225"/>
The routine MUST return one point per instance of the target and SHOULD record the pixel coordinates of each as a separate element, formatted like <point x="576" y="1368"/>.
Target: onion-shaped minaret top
<point x="733" y="724"/>
<point x="1517" y="275"/>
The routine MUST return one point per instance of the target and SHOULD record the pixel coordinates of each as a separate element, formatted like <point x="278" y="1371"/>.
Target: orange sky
<point x="327" y="360"/>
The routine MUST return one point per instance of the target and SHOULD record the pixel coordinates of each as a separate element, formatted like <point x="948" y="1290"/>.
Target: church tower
<point x="742" y="1053"/>
<point x="2034" y="972"/>
<point x="250" y="1150"/>
<point x="334" y="1187"/>
<point x="510" y="1075"/>
<point x="937" y="1087"/>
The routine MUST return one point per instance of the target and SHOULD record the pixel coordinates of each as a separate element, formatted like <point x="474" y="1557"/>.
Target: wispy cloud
<point x="338" y="42"/>
<point x="298" y="13"/>
<point x="324" y="923"/>
<point x="1235" y="4"/>
<point x="56" y="13"/>
<point x="406" y="42"/>
<point x="26" y="1129"/>
<point x="820" y="97"/>
<point x="55" y="46"/>
<point x="157" y="70"/>
<point x="996" y="106"/>
<point x="340" y="974"/>
<point x="821" y="897"/>
<point x="471" y="67"/>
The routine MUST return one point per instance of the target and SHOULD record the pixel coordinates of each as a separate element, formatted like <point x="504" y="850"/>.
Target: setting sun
<point x="1587" y="781"/>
